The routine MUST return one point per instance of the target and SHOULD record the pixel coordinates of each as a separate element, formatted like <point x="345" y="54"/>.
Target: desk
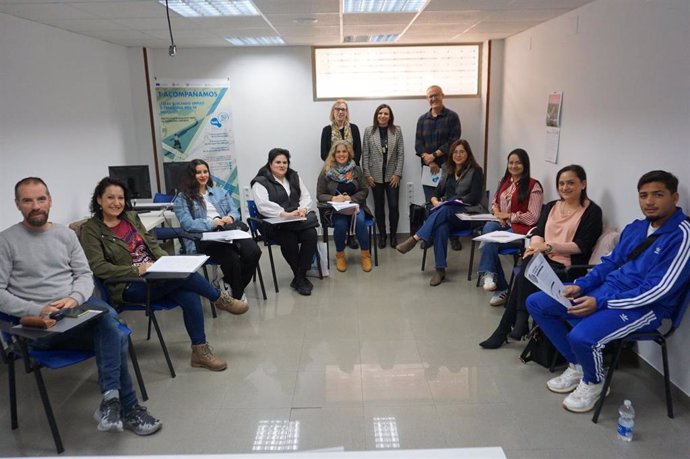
<point x="151" y="219"/>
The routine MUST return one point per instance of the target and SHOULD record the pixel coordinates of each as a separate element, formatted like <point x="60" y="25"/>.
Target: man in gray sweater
<point x="42" y="270"/>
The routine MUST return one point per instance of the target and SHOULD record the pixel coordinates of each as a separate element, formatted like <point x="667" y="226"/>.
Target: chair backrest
<point x="253" y="210"/>
<point x="677" y="318"/>
<point x="162" y="197"/>
<point x="605" y="244"/>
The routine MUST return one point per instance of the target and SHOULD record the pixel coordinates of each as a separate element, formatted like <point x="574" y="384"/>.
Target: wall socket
<point x="410" y="191"/>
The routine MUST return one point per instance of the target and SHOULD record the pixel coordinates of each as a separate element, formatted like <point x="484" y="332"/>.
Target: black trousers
<point x="238" y="261"/>
<point x="381" y="191"/>
<point x="298" y="247"/>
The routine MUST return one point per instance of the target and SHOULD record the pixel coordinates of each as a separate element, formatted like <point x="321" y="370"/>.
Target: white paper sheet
<point x="225" y="236"/>
<point x="347" y="208"/>
<point x="178" y="264"/>
<point x="277" y="220"/>
<point x="539" y="272"/>
<point x="477" y="217"/>
<point x="428" y="178"/>
<point x="501" y="237"/>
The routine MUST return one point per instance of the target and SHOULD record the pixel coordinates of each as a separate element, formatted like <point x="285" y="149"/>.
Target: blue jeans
<point x="438" y="228"/>
<point x="110" y="345"/>
<point x="184" y="293"/>
<point x="340" y="225"/>
<point x="490" y="262"/>
<point x="581" y="340"/>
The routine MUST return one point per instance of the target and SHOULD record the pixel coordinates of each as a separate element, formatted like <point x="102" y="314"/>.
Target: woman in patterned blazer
<point x="383" y="156"/>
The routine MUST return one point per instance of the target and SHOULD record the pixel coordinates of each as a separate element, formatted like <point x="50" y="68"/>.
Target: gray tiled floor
<point x="368" y="361"/>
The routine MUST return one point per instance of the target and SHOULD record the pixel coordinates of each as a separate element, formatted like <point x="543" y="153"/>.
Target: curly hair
<point x="96" y="209"/>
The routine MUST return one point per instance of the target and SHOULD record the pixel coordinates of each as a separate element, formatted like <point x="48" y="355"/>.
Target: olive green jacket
<point x="109" y="255"/>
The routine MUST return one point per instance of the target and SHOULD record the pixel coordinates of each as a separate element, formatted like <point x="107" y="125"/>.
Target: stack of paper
<point x="225" y="236"/>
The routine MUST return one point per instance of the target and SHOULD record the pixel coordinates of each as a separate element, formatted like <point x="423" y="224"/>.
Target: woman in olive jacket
<point x="117" y="245"/>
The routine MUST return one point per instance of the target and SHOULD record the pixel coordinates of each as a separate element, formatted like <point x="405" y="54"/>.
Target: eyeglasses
<point x="340" y="109"/>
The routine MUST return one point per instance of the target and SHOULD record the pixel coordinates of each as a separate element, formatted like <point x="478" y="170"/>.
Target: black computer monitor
<point x="136" y="178"/>
<point x="174" y="173"/>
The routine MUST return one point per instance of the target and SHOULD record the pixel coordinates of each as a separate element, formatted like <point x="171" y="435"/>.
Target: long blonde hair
<point x="330" y="160"/>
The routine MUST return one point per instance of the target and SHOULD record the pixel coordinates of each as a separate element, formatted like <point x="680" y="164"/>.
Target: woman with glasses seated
<point x="201" y="207"/>
<point x="279" y="192"/>
<point x="460" y="189"/>
<point x="117" y="245"/>
<point x="341" y="180"/>
<point x="516" y="205"/>
<point x="567" y="231"/>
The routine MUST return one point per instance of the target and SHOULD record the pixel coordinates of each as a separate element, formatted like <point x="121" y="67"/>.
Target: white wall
<point x="272" y="104"/>
<point x="65" y="114"/>
<point x="623" y="66"/>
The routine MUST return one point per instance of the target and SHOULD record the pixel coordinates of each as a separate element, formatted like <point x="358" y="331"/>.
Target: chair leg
<point x="607" y="382"/>
<point x="148" y="329"/>
<point x="13" y="391"/>
<point x="261" y="281"/>
<point x="667" y="378"/>
<point x="162" y="341"/>
<point x="372" y="243"/>
<point x="469" y="270"/>
<point x="324" y="231"/>
<point x="48" y="409"/>
<point x="424" y="258"/>
<point x="273" y="268"/>
<point x="137" y="370"/>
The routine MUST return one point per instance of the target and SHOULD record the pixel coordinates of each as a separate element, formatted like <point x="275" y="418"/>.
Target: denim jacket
<point x="197" y="221"/>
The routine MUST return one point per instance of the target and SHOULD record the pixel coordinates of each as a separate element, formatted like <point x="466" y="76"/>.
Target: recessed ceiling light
<point x="383" y="6"/>
<point x="210" y="8"/>
<point x="370" y="38"/>
<point x="382" y="38"/>
<point x="255" y="41"/>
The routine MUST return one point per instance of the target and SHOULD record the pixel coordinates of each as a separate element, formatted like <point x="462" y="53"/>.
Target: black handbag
<point x="540" y="350"/>
<point x="418" y="215"/>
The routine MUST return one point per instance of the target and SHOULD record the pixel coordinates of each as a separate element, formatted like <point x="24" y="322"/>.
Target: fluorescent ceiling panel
<point x="383" y="6"/>
<point x="210" y="8"/>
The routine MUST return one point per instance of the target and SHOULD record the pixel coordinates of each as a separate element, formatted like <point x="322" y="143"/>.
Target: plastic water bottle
<point x="626" y="421"/>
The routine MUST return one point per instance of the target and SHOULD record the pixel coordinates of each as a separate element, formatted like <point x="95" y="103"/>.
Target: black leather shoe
<point x="382" y="241"/>
<point x="301" y="286"/>
<point x="352" y="242"/>
<point x="394" y="240"/>
<point x="455" y="244"/>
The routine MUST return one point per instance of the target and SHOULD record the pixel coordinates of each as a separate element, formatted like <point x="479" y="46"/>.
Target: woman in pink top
<point x="566" y="233"/>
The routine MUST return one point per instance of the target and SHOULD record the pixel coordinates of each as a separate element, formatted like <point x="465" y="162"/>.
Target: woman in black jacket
<point x="567" y="231"/>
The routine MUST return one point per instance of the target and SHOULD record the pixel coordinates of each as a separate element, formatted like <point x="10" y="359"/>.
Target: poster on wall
<point x="553" y="126"/>
<point x="196" y="123"/>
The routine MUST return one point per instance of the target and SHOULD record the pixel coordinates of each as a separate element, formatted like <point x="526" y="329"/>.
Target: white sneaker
<point x="489" y="282"/>
<point x="498" y="298"/>
<point x="583" y="398"/>
<point x="567" y="381"/>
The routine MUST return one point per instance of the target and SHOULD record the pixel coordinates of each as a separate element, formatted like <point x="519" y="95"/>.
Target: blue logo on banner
<point x="214" y="122"/>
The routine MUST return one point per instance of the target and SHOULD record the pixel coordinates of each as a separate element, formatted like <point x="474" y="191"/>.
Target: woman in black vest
<point x="279" y="192"/>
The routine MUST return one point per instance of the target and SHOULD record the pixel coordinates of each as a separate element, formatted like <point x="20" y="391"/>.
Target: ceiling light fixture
<point x="255" y="41"/>
<point x="211" y="8"/>
<point x="383" y="6"/>
<point x="383" y="38"/>
<point x="172" y="49"/>
<point x="305" y="21"/>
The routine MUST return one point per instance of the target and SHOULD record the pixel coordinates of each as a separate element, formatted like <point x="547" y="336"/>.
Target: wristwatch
<point x="549" y="248"/>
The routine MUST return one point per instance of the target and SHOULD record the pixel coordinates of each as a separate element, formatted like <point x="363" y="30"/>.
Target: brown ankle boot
<point x="340" y="261"/>
<point x="407" y="245"/>
<point x="230" y="304"/>
<point x="202" y="357"/>
<point x="366" y="261"/>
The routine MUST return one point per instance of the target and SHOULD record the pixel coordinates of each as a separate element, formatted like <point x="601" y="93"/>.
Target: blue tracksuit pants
<point x="581" y="340"/>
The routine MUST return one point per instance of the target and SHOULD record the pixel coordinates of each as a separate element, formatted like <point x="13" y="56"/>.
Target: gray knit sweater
<point x="38" y="267"/>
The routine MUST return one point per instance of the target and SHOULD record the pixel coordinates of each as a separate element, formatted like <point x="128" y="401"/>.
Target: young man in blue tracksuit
<point x="633" y="289"/>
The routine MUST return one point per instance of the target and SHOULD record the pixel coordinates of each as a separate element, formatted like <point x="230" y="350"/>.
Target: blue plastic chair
<point x="15" y="347"/>
<point x="148" y="307"/>
<point x="326" y="222"/>
<point x="162" y="197"/>
<point x="659" y="337"/>
<point x="255" y="223"/>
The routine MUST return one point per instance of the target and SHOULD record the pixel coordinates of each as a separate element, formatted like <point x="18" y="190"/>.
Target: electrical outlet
<point x="245" y="193"/>
<point x="410" y="191"/>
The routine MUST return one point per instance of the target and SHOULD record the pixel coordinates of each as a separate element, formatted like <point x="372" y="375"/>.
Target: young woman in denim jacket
<point x="201" y="207"/>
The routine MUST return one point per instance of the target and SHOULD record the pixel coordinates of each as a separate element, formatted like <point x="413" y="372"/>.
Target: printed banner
<point x="196" y="123"/>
